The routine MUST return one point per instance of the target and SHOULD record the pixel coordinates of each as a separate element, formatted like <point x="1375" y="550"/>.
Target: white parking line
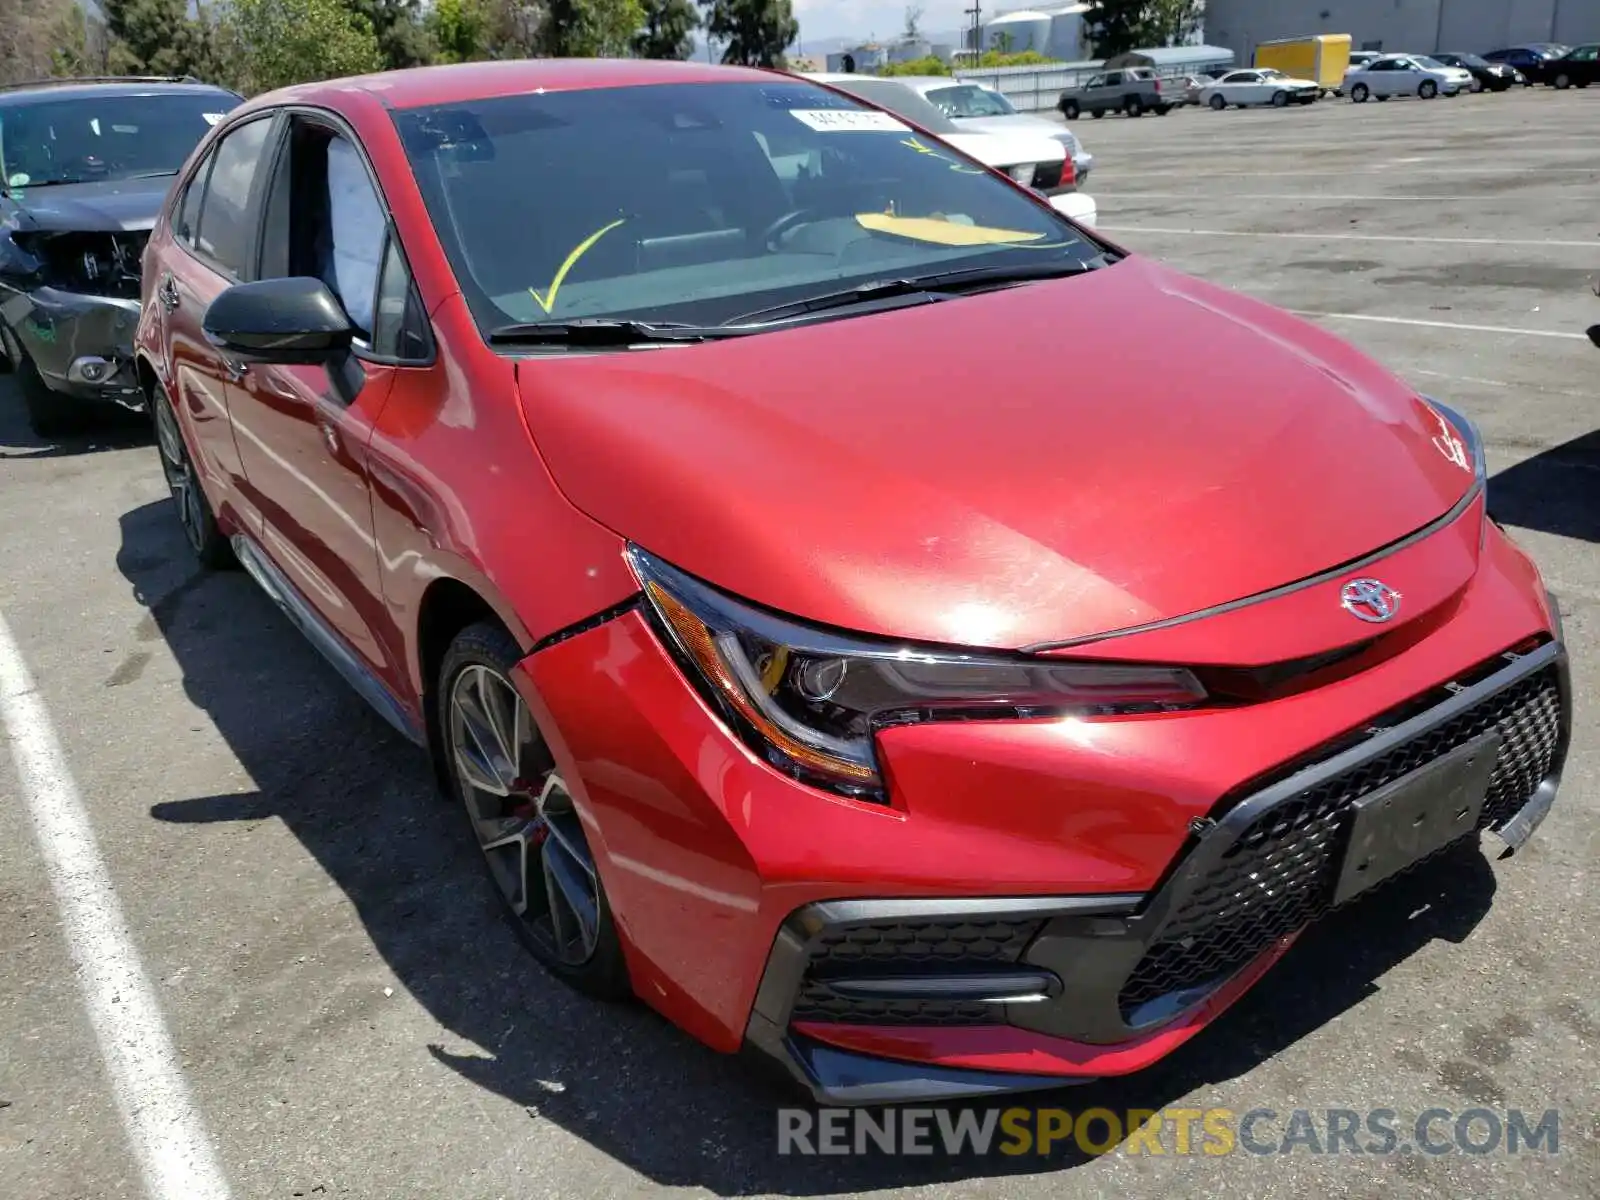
<point x="1381" y="169"/>
<point x="162" y="1123"/>
<point x="1352" y="237"/>
<point x="1506" y="329"/>
<point x="1320" y="197"/>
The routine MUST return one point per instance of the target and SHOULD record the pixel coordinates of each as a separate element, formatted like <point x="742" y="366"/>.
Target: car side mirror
<point x="295" y="320"/>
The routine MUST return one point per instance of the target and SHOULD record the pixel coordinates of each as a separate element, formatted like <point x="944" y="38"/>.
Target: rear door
<point x="212" y="226"/>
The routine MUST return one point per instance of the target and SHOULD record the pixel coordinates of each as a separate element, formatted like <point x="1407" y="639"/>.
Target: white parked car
<point x="1405" y="75"/>
<point x="1030" y="159"/>
<point x="972" y="106"/>
<point x="1253" y="85"/>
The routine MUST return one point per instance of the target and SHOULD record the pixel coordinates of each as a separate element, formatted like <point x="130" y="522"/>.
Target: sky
<point x="883" y="18"/>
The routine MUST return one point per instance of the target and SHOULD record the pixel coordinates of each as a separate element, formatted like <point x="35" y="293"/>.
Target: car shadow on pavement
<point x="108" y="429"/>
<point x="1556" y="491"/>
<point x="363" y="804"/>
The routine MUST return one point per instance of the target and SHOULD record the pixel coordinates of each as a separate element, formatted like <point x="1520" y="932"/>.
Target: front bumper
<point x="1041" y="901"/>
<point x="878" y="1001"/>
<point x="82" y="345"/>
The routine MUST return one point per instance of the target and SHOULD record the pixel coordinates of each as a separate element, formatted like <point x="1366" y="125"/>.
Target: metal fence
<point x="1036" y="89"/>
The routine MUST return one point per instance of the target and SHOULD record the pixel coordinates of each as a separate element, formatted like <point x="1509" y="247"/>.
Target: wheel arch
<point x="448" y="606"/>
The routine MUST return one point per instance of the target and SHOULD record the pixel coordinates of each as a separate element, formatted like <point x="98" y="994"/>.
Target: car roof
<point x="76" y="90"/>
<point x="459" y="83"/>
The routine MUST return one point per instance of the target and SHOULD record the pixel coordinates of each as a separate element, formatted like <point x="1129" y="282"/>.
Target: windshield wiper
<point x="605" y="331"/>
<point x="938" y="285"/>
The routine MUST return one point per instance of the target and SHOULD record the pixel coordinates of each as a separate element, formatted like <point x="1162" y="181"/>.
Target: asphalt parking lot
<point x="353" y="1020"/>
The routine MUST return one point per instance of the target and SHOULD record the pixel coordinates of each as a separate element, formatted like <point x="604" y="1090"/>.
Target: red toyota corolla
<point x="862" y="614"/>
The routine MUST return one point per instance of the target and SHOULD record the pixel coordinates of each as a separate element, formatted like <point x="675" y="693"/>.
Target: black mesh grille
<point x="1280" y="874"/>
<point x="890" y="948"/>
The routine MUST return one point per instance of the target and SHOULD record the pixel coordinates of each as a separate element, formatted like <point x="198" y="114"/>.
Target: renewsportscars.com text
<point x="1210" y="1132"/>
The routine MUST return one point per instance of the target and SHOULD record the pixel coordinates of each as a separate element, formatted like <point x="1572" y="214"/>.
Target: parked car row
<point x="1372" y="75"/>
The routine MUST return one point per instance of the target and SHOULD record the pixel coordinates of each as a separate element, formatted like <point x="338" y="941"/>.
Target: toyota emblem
<point x="1370" y="600"/>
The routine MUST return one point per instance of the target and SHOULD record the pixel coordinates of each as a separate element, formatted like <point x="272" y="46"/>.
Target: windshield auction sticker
<point x="848" y="120"/>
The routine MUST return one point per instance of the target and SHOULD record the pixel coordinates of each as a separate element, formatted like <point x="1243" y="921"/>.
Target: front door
<point x="302" y="431"/>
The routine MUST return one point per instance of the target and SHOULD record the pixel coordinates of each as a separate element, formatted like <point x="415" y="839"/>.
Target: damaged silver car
<point x="84" y="167"/>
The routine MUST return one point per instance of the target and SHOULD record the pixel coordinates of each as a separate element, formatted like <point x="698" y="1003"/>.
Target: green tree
<point x="754" y="33"/>
<point x="1117" y="26"/>
<point x="278" y="42"/>
<point x="1173" y="22"/>
<point x="588" y="28"/>
<point x="40" y="38"/>
<point x="668" y="30"/>
<point x="399" y="29"/>
<point x="147" y="37"/>
<point x="460" y="30"/>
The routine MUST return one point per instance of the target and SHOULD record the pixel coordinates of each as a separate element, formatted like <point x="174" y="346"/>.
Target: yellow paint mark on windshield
<point x="942" y="232"/>
<point x="548" y="301"/>
<point x="921" y="148"/>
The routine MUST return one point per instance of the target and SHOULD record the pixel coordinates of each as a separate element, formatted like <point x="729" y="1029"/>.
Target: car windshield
<point x="700" y="203"/>
<point x="969" y="100"/>
<point x="1273" y="74"/>
<point x="1469" y="60"/>
<point x="111" y="136"/>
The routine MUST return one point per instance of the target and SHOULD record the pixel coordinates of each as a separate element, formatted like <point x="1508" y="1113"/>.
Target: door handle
<point x="236" y="370"/>
<point x="167" y="292"/>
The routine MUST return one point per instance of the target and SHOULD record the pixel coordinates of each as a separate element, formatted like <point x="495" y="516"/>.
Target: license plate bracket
<point x="1422" y="811"/>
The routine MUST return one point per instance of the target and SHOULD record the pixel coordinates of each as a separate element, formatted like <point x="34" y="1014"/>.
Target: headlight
<point x="1458" y="440"/>
<point x="810" y="701"/>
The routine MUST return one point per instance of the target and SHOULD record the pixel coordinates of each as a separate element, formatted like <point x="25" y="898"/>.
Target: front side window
<point x="702" y="203"/>
<point x="969" y="100"/>
<point x="105" y="137"/>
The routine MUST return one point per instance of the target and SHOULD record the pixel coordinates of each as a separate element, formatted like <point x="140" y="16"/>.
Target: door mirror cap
<point x="296" y="320"/>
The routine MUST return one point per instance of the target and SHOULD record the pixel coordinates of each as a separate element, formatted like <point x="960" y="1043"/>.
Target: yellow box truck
<point x="1322" y="59"/>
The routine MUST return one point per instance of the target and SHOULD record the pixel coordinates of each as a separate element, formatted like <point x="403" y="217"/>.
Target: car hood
<point x="1039" y="464"/>
<point x="1007" y="149"/>
<point x="1024" y="124"/>
<point x="106" y="206"/>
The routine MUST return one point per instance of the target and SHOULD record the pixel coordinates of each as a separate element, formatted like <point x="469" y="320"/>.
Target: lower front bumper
<point x="81" y="345"/>
<point x="868" y="1001"/>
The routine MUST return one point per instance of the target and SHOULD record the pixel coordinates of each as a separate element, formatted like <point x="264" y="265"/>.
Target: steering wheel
<point x="786" y="222"/>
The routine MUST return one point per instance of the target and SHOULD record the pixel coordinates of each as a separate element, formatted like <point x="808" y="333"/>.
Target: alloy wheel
<point x="179" y="470"/>
<point x="523" y="815"/>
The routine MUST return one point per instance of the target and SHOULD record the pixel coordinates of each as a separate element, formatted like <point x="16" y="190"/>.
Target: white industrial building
<point x="1419" y="26"/>
<point x="1053" y="30"/>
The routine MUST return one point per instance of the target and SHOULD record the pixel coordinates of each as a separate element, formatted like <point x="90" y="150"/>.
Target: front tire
<point x="1218" y="104"/>
<point x="1097" y="113"/>
<point x="1563" y="81"/>
<point x="1280" y="99"/>
<point x="50" y="414"/>
<point x="1427" y="89"/>
<point x="199" y="523"/>
<point x="499" y="767"/>
<point x="1070" y="110"/>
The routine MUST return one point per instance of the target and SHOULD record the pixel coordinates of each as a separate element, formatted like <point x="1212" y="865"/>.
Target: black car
<point x="1578" y="67"/>
<point x="84" y="167"/>
<point x="1487" y="76"/>
<point x="1532" y="59"/>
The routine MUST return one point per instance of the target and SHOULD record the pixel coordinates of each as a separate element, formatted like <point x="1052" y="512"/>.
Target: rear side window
<point x="226" y="234"/>
<point x="187" y="218"/>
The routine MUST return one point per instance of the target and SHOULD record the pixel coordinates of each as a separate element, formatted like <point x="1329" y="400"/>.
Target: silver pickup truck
<point x="1131" y="90"/>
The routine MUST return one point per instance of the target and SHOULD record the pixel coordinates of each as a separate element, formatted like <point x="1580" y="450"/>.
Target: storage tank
<point x="1018" y="31"/>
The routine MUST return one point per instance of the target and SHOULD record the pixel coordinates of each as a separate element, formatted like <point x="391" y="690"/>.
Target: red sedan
<point x="683" y="456"/>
